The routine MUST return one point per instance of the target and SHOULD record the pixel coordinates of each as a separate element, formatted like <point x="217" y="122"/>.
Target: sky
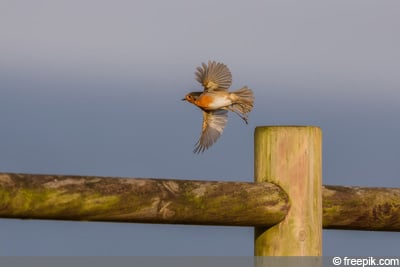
<point x="95" y="87"/>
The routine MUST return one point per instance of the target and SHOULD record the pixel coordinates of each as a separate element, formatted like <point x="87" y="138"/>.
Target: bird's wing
<point x="214" y="123"/>
<point x="214" y="76"/>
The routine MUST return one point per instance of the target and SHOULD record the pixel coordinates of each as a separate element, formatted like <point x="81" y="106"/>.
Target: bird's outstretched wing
<point x="214" y="76"/>
<point x="214" y="123"/>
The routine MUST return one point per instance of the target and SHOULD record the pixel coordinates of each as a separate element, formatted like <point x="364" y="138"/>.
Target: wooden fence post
<point x="290" y="156"/>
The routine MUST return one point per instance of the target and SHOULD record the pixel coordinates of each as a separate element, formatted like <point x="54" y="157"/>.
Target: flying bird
<point x="215" y="101"/>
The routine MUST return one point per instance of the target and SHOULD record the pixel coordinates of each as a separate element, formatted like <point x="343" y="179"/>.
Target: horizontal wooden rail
<point x="361" y="208"/>
<point x="91" y="198"/>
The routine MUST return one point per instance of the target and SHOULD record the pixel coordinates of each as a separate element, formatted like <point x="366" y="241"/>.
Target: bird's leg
<point x="240" y="115"/>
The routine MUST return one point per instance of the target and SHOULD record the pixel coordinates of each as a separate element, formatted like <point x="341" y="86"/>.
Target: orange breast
<point x="204" y="101"/>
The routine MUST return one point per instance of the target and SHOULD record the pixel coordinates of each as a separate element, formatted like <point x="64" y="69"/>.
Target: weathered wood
<point x="140" y="200"/>
<point x="361" y="208"/>
<point x="126" y="200"/>
<point x="290" y="156"/>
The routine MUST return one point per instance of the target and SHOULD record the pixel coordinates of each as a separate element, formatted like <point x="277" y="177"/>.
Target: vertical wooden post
<point x="290" y="156"/>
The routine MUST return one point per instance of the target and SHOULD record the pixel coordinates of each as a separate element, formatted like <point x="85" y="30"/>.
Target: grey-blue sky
<point x="94" y="87"/>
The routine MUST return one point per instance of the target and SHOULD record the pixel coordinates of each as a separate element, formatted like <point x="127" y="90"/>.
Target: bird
<point x="215" y="101"/>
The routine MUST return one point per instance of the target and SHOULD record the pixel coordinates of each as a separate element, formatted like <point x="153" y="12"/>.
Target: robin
<point x="215" y="102"/>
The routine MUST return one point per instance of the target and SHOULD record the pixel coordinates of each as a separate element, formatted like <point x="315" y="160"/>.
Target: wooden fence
<point x="287" y="204"/>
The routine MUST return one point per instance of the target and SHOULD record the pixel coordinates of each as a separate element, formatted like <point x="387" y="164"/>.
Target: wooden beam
<point x="63" y="197"/>
<point x="89" y="198"/>
<point x="361" y="208"/>
<point x="290" y="156"/>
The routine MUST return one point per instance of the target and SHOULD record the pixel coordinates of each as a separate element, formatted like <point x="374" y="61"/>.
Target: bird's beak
<point x="183" y="99"/>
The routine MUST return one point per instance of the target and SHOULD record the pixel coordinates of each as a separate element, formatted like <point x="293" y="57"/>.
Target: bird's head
<point x="192" y="97"/>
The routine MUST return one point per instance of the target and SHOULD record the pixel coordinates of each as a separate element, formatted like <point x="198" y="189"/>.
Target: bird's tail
<point x="243" y="102"/>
